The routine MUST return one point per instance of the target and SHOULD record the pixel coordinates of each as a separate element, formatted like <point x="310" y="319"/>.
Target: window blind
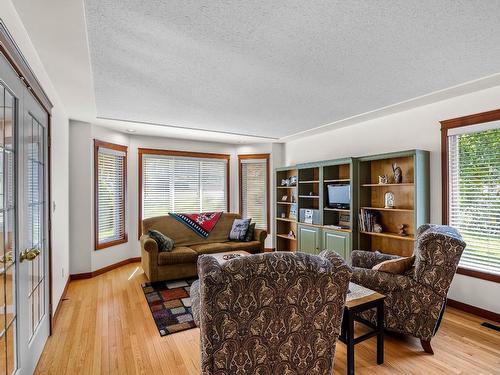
<point x="254" y="191"/>
<point x="110" y="195"/>
<point x="182" y="184"/>
<point x="474" y="196"/>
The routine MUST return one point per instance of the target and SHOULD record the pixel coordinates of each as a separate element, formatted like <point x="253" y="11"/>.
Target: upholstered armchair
<point x="266" y="314"/>
<point x="415" y="300"/>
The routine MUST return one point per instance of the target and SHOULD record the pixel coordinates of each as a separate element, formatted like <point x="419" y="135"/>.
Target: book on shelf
<point x="293" y="212"/>
<point x="367" y="220"/>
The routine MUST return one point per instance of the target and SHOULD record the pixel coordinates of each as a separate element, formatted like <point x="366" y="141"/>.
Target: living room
<point x="250" y="188"/>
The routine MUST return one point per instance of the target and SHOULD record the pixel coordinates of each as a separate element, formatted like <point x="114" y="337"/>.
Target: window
<point x="472" y="201"/>
<point x="254" y="188"/>
<point x="110" y="180"/>
<point x="176" y="181"/>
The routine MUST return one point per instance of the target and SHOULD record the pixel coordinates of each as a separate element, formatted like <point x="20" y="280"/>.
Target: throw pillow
<point x="250" y="233"/>
<point x="396" y="266"/>
<point x="164" y="243"/>
<point x="239" y="229"/>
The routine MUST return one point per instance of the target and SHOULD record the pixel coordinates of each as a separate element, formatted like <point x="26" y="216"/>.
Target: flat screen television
<point x="339" y="196"/>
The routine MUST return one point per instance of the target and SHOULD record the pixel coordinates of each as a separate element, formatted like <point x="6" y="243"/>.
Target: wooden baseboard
<point x="89" y="275"/>
<point x="58" y="308"/>
<point x="490" y="315"/>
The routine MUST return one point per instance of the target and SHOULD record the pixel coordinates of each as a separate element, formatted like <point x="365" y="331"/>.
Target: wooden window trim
<point x="201" y="155"/>
<point x="116" y="147"/>
<point x="268" y="190"/>
<point x="478" y="118"/>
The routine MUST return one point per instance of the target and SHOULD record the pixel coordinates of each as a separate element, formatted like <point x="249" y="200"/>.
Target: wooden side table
<point x="362" y="299"/>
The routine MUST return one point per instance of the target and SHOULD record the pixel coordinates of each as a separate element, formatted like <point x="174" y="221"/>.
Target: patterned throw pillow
<point x="396" y="266"/>
<point x="239" y="229"/>
<point x="164" y="243"/>
<point x="250" y="233"/>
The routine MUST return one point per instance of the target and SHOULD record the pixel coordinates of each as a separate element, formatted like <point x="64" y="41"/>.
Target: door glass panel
<point x="35" y="190"/>
<point x="7" y="235"/>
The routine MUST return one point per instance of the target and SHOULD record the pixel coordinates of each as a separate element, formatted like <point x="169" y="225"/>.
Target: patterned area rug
<point x="170" y="305"/>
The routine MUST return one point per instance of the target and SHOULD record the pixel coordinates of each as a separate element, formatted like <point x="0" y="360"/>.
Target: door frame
<point x="13" y="54"/>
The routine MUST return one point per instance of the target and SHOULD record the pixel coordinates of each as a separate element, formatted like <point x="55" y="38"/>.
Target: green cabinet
<point x="337" y="241"/>
<point x="309" y="239"/>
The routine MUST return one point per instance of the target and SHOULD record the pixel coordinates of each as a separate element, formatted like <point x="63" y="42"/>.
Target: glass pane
<point x="2" y="116"/>
<point x="11" y="348"/>
<point x="9" y="116"/>
<point x="3" y="355"/>
<point x="10" y="294"/>
<point x="2" y="302"/>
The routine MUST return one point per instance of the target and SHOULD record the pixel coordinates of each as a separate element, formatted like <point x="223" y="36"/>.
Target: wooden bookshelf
<point x="411" y="200"/>
<point x="283" y="225"/>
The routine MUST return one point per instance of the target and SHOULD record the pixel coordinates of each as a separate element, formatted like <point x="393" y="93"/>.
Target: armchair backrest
<point x="272" y="313"/>
<point x="437" y="253"/>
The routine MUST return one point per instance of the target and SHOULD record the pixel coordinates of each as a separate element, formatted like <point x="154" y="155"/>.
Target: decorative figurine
<point x="377" y="228"/>
<point x="284" y="182"/>
<point x="292" y="181"/>
<point x="283" y="215"/>
<point x="401" y="230"/>
<point x="398" y="174"/>
<point x="382" y="180"/>
<point x="291" y="234"/>
<point x="284" y="198"/>
<point x="389" y="200"/>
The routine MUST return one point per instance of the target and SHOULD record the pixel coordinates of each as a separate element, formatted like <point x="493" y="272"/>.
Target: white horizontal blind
<point x="474" y="196"/>
<point x="182" y="184"/>
<point x="254" y="191"/>
<point x="110" y="195"/>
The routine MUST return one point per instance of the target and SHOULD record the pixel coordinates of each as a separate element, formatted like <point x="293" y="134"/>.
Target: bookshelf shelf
<point x="285" y="203"/>
<point x="384" y="185"/>
<point x="336" y="209"/>
<point x="309" y="182"/>
<point x="309" y="196"/>
<point x="390" y="235"/>
<point x="389" y="209"/>
<point x="338" y="180"/>
<point x="286" y="187"/>
<point x="286" y="219"/>
<point x="285" y="236"/>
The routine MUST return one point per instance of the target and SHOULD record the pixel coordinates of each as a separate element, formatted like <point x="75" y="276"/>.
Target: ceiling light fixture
<point x="131" y="130"/>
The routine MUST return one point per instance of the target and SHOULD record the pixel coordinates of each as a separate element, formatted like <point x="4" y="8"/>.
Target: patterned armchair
<point x="274" y="313"/>
<point x="415" y="300"/>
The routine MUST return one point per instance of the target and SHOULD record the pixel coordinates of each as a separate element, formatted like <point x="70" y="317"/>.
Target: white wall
<point x="82" y="135"/>
<point x="418" y="128"/>
<point x="59" y="165"/>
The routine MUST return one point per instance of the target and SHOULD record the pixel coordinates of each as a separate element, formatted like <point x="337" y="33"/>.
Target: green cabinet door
<point x="337" y="241"/>
<point x="309" y="239"/>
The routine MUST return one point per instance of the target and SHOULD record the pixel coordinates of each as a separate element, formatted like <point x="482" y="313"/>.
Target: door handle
<point x="29" y="254"/>
<point x="6" y="258"/>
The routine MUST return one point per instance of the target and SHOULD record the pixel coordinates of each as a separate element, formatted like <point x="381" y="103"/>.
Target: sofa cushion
<point x="250" y="246"/>
<point x="211" y="248"/>
<point x="179" y="254"/>
<point x="396" y="266"/>
<point x="250" y="233"/>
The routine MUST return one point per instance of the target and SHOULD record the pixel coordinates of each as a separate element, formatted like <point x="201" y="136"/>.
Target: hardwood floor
<point x="105" y="327"/>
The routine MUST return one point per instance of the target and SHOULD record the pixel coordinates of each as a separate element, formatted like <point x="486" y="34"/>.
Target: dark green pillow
<point x="250" y="232"/>
<point x="164" y="243"/>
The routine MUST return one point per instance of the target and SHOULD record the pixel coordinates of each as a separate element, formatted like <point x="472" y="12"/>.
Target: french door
<point x="24" y="289"/>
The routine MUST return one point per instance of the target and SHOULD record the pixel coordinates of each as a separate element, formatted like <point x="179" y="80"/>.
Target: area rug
<point x="170" y="305"/>
<point x="202" y="224"/>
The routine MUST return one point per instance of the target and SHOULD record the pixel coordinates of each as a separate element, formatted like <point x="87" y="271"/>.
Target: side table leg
<point x="380" y="334"/>
<point x="350" y="343"/>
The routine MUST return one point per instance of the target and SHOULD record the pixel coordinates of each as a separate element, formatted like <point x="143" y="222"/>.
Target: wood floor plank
<point x="105" y="327"/>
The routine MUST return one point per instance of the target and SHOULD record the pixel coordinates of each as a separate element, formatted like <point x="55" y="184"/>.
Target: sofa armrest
<point x="148" y="244"/>
<point x="149" y="257"/>
<point x="368" y="259"/>
<point x="260" y="235"/>
<point x="382" y="282"/>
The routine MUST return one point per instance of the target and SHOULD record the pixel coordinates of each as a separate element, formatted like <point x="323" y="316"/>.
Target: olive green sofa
<point x="181" y="261"/>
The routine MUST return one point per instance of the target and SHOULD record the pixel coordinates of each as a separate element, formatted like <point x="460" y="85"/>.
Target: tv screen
<point x="339" y="196"/>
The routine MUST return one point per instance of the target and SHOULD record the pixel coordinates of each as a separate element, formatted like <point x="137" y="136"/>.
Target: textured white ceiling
<point x="277" y="68"/>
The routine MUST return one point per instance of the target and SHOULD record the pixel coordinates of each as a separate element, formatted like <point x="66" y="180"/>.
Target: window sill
<point x="100" y="246"/>
<point x="479" y="274"/>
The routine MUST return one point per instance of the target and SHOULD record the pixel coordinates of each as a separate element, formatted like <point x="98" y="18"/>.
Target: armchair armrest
<point x="382" y="282"/>
<point x="148" y="244"/>
<point x="368" y="259"/>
